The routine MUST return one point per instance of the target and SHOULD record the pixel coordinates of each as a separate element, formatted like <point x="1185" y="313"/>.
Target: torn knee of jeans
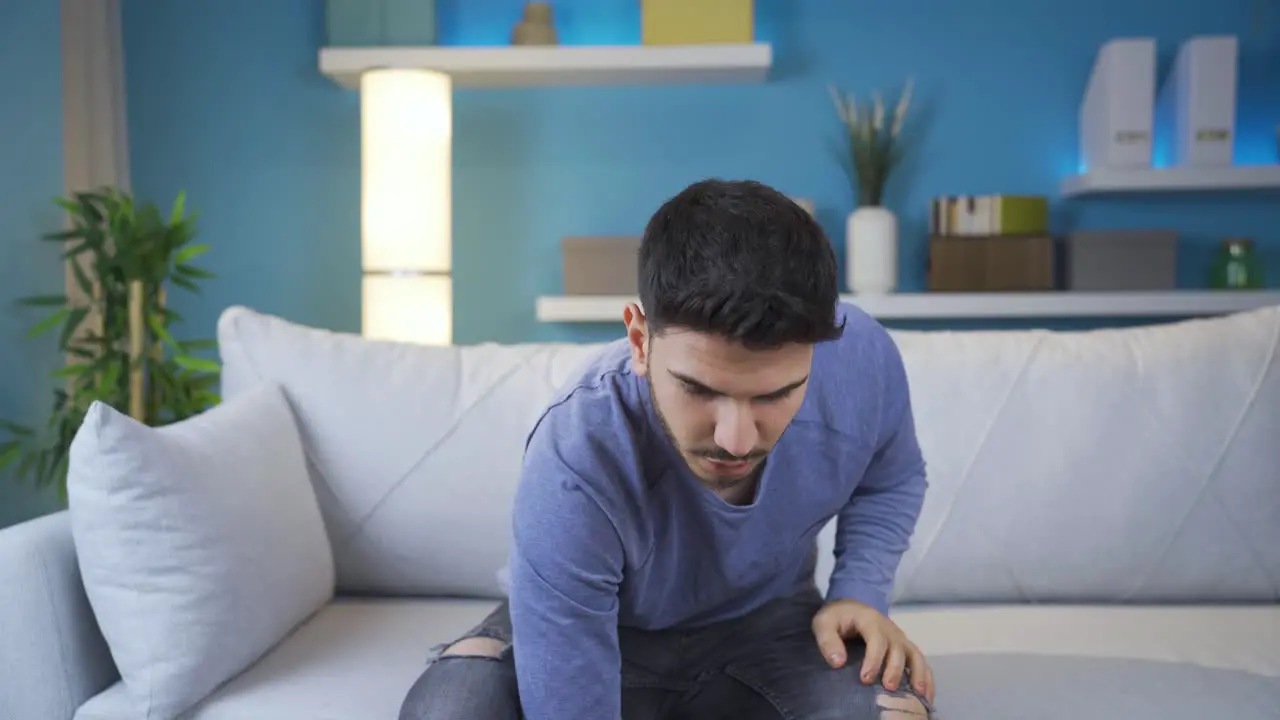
<point x="477" y="647"/>
<point x="900" y="707"/>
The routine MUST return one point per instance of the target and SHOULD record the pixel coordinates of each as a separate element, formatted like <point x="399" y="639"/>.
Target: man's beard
<point x="715" y="483"/>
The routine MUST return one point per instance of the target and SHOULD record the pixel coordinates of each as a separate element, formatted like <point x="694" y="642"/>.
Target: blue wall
<point x="30" y="176"/>
<point x="225" y="101"/>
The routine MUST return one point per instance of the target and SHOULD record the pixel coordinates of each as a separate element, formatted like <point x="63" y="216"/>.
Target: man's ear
<point x="637" y="338"/>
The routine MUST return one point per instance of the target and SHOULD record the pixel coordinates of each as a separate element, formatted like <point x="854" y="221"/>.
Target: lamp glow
<point x="406" y="205"/>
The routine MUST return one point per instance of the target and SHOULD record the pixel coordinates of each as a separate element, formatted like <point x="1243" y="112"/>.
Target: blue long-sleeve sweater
<point x="611" y="528"/>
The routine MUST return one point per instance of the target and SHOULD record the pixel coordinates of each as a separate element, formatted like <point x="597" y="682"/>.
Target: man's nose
<point x="736" y="429"/>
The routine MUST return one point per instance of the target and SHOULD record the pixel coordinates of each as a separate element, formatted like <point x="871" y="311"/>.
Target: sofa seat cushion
<point x="1048" y="687"/>
<point x="356" y="659"/>
<point x="1064" y="662"/>
<point x="1229" y="637"/>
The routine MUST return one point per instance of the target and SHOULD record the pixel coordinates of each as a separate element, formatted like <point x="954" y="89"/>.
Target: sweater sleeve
<point x="566" y="566"/>
<point x="874" y="528"/>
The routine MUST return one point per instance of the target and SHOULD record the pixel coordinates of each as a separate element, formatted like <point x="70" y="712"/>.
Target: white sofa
<point x="1101" y="538"/>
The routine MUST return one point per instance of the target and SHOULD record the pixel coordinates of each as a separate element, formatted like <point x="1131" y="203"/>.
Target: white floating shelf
<point x="1202" y="179"/>
<point x="528" y="66"/>
<point x="932" y="306"/>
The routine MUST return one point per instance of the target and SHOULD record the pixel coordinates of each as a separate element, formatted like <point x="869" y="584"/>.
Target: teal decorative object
<point x="364" y="23"/>
<point x="1237" y="267"/>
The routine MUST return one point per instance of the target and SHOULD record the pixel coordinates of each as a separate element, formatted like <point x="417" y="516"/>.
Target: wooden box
<point x="996" y="263"/>
<point x="601" y="265"/>
<point x="696" y="22"/>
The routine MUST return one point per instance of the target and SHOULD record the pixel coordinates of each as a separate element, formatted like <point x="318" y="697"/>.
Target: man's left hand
<point x="887" y="645"/>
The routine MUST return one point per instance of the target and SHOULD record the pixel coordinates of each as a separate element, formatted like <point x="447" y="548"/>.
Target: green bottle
<point x="1237" y="267"/>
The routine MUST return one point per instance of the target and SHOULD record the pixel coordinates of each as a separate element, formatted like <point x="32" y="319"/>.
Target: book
<point x="984" y="215"/>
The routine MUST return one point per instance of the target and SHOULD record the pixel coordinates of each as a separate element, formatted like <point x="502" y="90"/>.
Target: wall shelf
<point x="530" y="66"/>
<point x="1202" y="179"/>
<point x="935" y="306"/>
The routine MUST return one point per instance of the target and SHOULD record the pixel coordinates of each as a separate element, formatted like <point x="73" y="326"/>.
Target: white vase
<point x="871" y="251"/>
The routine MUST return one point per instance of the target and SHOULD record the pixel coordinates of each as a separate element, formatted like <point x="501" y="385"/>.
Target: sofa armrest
<point x="52" y="656"/>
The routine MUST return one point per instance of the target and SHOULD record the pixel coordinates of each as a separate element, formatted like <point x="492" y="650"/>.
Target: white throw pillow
<point x="200" y="543"/>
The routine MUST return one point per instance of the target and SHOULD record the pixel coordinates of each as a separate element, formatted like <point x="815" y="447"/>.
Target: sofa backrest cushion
<point x="1135" y="464"/>
<point x="414" y="450"/>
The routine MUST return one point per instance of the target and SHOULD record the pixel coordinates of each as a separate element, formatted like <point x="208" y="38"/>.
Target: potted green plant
<point x="872" y="149"/>
<point x="116" y="331"/>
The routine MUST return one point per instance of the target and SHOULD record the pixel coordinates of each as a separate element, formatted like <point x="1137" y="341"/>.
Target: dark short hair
<point x="740" y="260"/>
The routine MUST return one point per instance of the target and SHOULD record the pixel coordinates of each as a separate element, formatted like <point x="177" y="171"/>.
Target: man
<point x="664" y="528"/>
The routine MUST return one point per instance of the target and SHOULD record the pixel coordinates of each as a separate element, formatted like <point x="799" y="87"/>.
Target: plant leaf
<point x="60" y="469"/>
<point x="9" y="452"/>
<point x="42" y="466"/>
<point x="43" y="300"/>
<point x="185" y="284"/>
<point x="186" y="346"/>
<point x="14" y="428"/>
<point x="189" y="253"/>
<point x="82" y="279"/>
<point x="72" y="370"/>
<point x="49" y="323"/>
<point x="179" y="207"/>
<point x="190" y="362"/>
<point x="24" y="467"/>
<point x="76" y="233"/>
<point x="156" y="323"/>
<point x="110" y="378"/>
<point x="74" y="319"/>
<point x="197" y="364"/>
<point x="86" y="206"/>
<point x="75" y="250"/>
<point x="192" y="271"/>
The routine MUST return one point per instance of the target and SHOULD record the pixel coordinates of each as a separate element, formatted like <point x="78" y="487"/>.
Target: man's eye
<point x="697" y="391"/>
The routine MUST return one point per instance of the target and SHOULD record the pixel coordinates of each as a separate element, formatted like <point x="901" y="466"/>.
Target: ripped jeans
<point x="763" y="665"/>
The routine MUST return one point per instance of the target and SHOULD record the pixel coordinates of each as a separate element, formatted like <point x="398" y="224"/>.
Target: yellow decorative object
<point x="696" y="22"/>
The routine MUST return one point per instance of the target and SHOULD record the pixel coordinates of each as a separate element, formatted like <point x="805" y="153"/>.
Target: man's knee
<point x="482" y="647"/>
<point x="472" y="678"/>
<point x="900" y="706"/>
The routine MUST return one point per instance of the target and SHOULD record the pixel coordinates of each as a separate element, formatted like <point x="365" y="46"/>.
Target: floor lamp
<point x="406" y="128"/>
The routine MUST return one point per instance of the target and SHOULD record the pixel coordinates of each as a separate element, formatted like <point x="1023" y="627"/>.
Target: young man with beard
<point x="664" y="528"/>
